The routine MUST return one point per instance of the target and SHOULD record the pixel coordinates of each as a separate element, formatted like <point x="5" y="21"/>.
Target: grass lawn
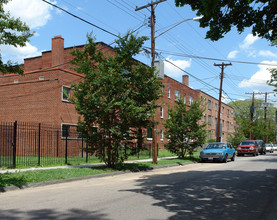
<point x="23" y="178"/>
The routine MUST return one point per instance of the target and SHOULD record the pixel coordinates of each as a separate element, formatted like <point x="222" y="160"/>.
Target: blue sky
<point x="177" y="45"/>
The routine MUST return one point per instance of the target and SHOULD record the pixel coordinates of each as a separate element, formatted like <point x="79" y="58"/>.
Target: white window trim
<point x="65" y="100"/>
<point x="168" y="92"/>
<point x="162" y="135"/>
<point x="162" y="112"/>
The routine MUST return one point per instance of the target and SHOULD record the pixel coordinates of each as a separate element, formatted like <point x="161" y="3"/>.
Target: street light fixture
<point x="189" y="19"/>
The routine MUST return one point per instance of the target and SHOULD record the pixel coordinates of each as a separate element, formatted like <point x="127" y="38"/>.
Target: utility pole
<point x="154" y="135"/>
<point x="265" y="112"/>
<point x="218" y="138"/>
<point x="252" y="110"/>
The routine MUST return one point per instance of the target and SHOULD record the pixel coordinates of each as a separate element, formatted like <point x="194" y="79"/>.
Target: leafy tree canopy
<point x="260" y="127"/>
<point x="116" y="98"/>
<point x="184" y="132"/>
<point x="12" y="32"/>
<point x="221" y="15"/>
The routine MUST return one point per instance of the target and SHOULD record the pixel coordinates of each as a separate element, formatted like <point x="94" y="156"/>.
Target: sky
<point x="184" y="45"/>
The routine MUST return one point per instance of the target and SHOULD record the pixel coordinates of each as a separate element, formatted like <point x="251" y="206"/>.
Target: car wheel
<point x="233" y="157"/>
<point x="225" y="159"/>
<point x="254" y="154"/>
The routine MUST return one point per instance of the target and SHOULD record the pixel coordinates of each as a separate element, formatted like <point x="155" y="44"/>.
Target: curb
<point x="52" y="182"/>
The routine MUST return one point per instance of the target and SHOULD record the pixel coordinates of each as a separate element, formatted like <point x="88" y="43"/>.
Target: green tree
<point x="260" y="127"/>
<point x="12" y="32"/>
<point x="221" y="15"/>
<point x="273" y="78"/>
<point x="115" y="99"/>
<point x="183" y="131"/>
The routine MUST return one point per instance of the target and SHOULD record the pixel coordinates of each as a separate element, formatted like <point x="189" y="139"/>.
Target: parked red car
<point x="248" y="147"/>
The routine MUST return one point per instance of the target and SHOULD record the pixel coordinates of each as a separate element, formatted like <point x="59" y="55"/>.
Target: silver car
<point x="269" y="148"/>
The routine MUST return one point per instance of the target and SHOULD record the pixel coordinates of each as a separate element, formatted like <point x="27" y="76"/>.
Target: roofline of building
<point x="66" y="48"/>
<point x="45" y="70"/>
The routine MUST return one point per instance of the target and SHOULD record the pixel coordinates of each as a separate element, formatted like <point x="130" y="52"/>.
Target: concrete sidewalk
<point x="75" y="166"/>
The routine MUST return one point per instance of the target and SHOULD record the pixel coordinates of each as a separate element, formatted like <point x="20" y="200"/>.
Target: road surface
<point x="244" y="189"/>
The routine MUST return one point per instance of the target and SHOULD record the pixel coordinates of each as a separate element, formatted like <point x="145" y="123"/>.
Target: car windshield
<point x="268" y="145"/>
<point x="216" y="146"/>
<point x="247" y="143"/>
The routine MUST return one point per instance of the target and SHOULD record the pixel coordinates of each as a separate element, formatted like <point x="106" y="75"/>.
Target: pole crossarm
<point x="150" y="4"/>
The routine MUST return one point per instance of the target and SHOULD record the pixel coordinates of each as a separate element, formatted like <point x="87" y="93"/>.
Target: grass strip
<point x="35" y="176"/>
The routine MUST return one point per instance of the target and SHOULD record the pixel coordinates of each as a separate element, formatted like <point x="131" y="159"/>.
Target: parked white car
<point x="269" y="148"/>
<point x="275" y="147"/>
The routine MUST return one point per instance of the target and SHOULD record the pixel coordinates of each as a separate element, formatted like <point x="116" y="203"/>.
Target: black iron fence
<point x="29" y="144"/>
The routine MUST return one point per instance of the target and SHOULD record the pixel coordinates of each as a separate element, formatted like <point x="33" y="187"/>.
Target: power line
<point x="209" y="58"/>
<point x="75" y="16"/>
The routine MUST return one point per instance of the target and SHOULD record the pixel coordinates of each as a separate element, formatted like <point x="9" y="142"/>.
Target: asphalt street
<point x="244" y="189"/>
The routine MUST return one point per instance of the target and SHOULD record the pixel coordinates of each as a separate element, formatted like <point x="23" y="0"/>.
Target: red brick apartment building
<point x="41" y="94"/>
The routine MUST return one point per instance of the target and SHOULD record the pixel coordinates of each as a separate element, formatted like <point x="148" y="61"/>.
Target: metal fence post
<point x="57" y="143"/>
<point x="66" y="136"/>
<point x="39" y="136"/>
<point x="86" y="152"/>
<point x="14" y="143"/>
<point x="82" y="147"/>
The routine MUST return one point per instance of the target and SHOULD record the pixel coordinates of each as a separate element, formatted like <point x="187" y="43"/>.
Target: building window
<point x="162" y="134"/>
<point x="209" y="105"/>
<point x="177" y="95"/>
<point x="205" y="118"/>
<point x="185" y="98"/>
<point x="209" y="119"/>
<point x="222" y="110"/>
<point x="228" y="125"/>
<point x="168" y="92"/>
<point x="70" y="131"/>
<point x="66" y="93"/>
<point x="190" y="100"/>
<point x="162" y="112"/>
<point x="215" y="106"/>
<point x="149" y="133"/>
<point x="41" y="78"/>
<point x="228" y="112"/>
<point x="222" y="123"/>
<point x="15" y="81"/>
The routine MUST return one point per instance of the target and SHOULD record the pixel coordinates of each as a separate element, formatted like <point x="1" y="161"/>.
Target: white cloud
<point x="35" y="13"/>
<point x="232" y="54"/>
<point x="267" y="53"/>
<point x="17" y="54"/>
<point x="259" y="79"/>
<point x="174" y="71"/>
<point x="248" y="41"/>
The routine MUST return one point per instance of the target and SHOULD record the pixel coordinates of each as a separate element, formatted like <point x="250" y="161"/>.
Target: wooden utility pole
<point x="218" y="138"/>
<point x="252" y="109"/>
<point x="154" y="135"/>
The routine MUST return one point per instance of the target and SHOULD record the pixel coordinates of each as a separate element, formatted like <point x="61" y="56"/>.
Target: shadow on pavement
<point x="213" y="195"/>
<point x="51" y="214"/>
